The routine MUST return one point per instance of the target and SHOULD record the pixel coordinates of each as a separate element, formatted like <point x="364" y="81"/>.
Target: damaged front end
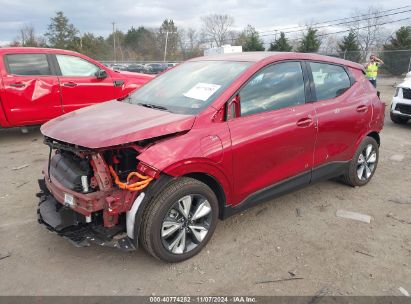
<point x="92" y="195"/>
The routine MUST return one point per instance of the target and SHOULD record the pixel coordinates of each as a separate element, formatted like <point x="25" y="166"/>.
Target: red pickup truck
<point x="38" y="84"/>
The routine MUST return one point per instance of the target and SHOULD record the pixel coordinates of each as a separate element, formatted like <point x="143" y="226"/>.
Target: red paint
<point x="244" y="154"/>
<point x="32" y="100"/>
<point x="274" y="149"/>
<point x="114" y="123"/>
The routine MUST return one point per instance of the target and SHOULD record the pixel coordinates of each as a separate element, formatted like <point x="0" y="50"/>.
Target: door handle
<point x="304" y="122"/>
<point x="362" y="109"/>
<point x="18" y="85"/>
<point x="70" y="84"/>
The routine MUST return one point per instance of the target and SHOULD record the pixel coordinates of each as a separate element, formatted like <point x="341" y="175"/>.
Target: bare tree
<point x="369" y="29"/>
<point x="329" y="44"/>
<point x="190" y="43"/>
<point x="217" y="28"/>
<point x="192" y="38"/>
<point x="27" y="37"/>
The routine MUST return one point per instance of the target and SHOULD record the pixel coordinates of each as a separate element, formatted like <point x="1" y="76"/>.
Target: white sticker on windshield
<point x="202" y="91"/>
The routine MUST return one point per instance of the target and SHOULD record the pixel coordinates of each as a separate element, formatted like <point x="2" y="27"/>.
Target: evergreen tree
<point x="250" y="40"/>
<point x="172" y="39"/>
<point x="395" y="57"/>
<point x="310" y="42"/>
<point x="120" y="53"/>
<point x="95" y="47"/>
<point x="140" y="43"/>
<point x="62" y="34"/>
<point x="349" y="48"/>
<point x="281" y="44"/>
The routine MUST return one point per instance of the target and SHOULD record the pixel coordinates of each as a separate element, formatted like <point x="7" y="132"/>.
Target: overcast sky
<point x="96" y="16"/>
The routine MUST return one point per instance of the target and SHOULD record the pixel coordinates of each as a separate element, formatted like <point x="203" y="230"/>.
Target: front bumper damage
<point x="401" y="106"/>
<point x="74" y="227"/>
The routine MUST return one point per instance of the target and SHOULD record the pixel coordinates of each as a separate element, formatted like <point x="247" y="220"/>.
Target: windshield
<point x="190" y="87"/>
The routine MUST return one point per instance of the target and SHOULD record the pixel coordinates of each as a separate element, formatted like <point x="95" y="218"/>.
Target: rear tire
<point x="364" y="163"/>
<point x="398" y="119"/>
<point x="179" y="221"/>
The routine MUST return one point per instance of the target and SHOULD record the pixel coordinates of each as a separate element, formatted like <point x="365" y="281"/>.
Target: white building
<point x="225" y="49"/>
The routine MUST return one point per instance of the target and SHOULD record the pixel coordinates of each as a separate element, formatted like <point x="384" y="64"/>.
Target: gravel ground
<point x="294" y="236"/>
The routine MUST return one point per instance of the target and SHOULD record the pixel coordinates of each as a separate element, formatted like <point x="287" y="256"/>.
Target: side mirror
<point x="233" y="108"/>
<point x="101" y="74"/>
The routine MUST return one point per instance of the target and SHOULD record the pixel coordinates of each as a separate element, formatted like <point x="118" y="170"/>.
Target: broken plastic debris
<point x="353" y="216"/>
<point x="404" y="292"/>
<point x="20" y="167"/>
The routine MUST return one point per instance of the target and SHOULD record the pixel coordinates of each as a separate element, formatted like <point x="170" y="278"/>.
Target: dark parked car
<point x="136" y="68"/>
<point x="205" y="140"/>
<point x="118" y="67"/>
<point x="155" y="68"/>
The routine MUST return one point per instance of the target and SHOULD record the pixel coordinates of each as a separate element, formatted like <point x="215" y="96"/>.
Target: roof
<point x="33" y="50"/>
<point x="276" y="56"/>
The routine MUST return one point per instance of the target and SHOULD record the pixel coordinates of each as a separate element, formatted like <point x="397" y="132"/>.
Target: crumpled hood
<point x="114" y="123"/>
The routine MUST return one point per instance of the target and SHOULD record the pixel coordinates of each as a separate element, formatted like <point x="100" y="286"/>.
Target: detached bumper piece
<point x="73" y="227"/>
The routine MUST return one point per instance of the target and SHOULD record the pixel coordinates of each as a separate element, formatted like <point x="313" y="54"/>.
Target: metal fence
<point x="396" y="62"/>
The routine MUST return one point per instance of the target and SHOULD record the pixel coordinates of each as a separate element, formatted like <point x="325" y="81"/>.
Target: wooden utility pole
<point x="114" y="41"/>
<point x="165" y="48"/>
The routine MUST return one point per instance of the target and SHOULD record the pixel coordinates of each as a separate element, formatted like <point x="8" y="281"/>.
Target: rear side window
<point x="76" y="66"/>
<point x="28" y="64"/>
<point x="278" y="86"/>
<point x="330" y="80"/>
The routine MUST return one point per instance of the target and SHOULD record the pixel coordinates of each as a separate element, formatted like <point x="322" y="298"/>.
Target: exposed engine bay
<point x="87" y="194"/>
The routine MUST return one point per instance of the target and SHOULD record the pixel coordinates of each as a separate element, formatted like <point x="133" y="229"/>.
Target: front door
<point x="31" y="90"/>
<point x="79" y="85"/>
<point x="273" y="138"/>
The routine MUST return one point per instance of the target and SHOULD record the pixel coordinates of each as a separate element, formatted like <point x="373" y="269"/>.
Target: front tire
<point x="179" y="221"/>
<point x="364" y="163"/>
<point x="398" y="119"/>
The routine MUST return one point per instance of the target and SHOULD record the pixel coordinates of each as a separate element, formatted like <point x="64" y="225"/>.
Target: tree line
<point x="174" y="44"/>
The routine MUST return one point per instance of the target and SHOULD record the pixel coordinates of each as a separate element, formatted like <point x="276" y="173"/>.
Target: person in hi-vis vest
<point x="371" y="69"/>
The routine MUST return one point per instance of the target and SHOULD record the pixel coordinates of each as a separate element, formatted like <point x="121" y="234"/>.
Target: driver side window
<point x="75" y="66"/>
<point x="275" y="87"/>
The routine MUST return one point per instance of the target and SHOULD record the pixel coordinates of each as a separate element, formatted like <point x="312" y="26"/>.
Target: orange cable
<point x="134" y="186"/>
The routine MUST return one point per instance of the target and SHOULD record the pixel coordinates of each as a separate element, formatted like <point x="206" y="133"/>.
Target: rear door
<point x="273" y="138"/>
<point x="79" y="85"/>
<point x="343" y="112"/>
<point x="31" y="89"/>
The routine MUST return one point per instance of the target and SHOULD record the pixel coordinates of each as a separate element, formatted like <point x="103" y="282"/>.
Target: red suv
<point x="207" y="139"/>
<point x="38" y="84"/>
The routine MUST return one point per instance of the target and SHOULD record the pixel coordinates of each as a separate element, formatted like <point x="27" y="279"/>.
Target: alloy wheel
<point x="186" y="224"/>
<point x="366" y="162"/>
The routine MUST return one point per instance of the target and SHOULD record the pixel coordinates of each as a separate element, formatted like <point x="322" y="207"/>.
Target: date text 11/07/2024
<point x="202" y="299"/>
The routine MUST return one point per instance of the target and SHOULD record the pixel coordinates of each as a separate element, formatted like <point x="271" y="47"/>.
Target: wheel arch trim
<point x="206" y="170"/>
